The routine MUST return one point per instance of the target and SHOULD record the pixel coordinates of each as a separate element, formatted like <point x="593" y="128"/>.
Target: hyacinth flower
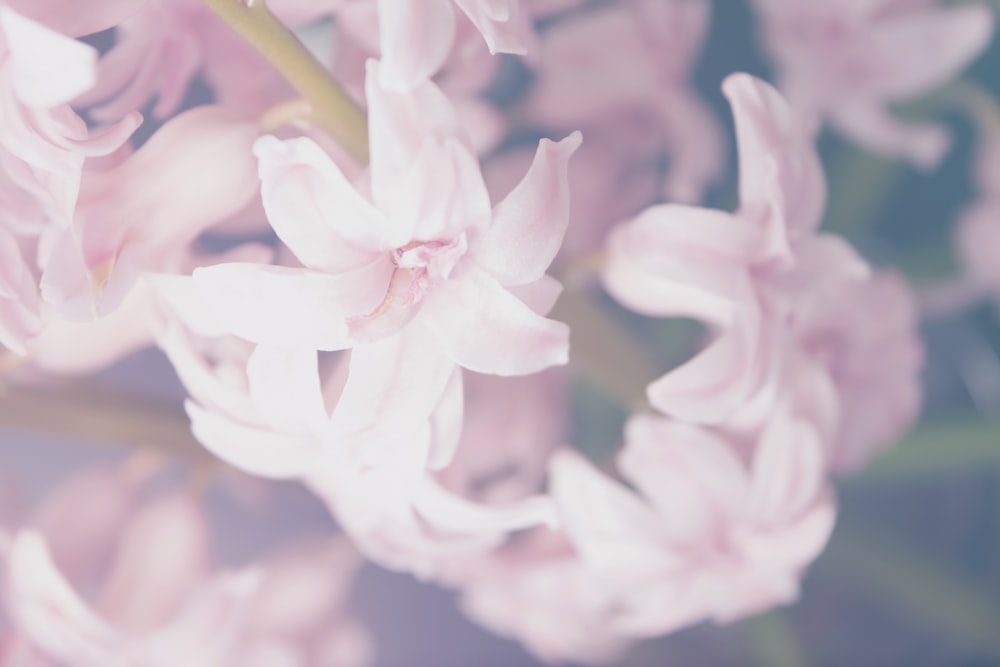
<point x="845" y="62"/>
<point x="132" y="582"/>
<point x="627" y="66"/>
<point x="373" y="286"/>
<point x="756" y="277"/>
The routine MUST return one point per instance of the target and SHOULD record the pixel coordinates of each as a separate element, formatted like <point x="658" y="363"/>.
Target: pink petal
<point x="399" y="125"/>
<point x="914" y="52"/>
<point x="393" y="384"/>
<point x="693" y="478"/>
<point x="77" y="19"/>
<point x="609" y="526"/>
<point x="680" y="260"/>
<point x="161" y="558"/>
<point x="451" y="513"/>
<point x="441" y="195"/>
<point x="49" y="611"/>
<point x="781" y="178"/>
<point x="873" y="127"/>
<point x="46" y="68"/>
<point x="722" y="378"/>
<point x="788" y="470"/>
<point x="415" y="40"/>
<point x="529" y="224"/>
<point x="314" y="210"/>
<point x="253" y="449"/>
<point x="275" y="305"/>
<point x="285" y="385"/>
<point x="446" y="423"/>
<point x="486" y="329"/>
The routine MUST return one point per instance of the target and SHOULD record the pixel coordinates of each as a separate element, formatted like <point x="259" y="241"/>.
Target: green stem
<point x="99" y="415"/>
<point x="772" y="641"/>
<point x="605" y="351"/>
<point x="335" y="112"/>
<point x="954" y="446"/>
<point x="927" y="591"/>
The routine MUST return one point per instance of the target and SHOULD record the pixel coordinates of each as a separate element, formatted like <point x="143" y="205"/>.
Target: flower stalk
<point x="334" y="110"/>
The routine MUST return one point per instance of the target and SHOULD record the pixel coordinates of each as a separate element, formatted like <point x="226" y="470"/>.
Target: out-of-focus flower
<point x="628" y="65"/>
<point x="846" y="62"/>
<point x="102" y="576"/>
<point x="710" y="536"/>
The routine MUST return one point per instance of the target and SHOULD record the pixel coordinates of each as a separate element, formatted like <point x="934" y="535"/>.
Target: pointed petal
<point x="680" y="260"/>
<point x="529" y="224"/>
<point x="313" y="209"/>
<point x="921" y="50"/>
<point x="286" y="307"/>
<point x="253" y="449"/>
<point x="781" y="177"/>
<point x="451" y="513"/>
<point x="486" y="329"/>
<point x="723" y="377"/>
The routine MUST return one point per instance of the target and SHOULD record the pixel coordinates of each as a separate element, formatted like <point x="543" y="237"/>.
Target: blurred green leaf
<point x="954" y="446"/>
<point x="925" y="590"/>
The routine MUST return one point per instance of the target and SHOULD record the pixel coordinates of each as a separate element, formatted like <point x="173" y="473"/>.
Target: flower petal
<point x="287" y="307"/>
<point x="486" y="329"/>
<point x="529" y="224"/>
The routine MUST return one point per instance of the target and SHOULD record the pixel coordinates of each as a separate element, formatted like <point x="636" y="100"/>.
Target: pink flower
<point x="539" y="592"/>
<point x="102" y="576"/>
<point x="41" y="73"/>
<point x="163" y="46"/>
<point x="635" y="58"/>
<point x="706" y="535"/>
<point x="422" y="252"/>
<point x="846" y="62"/>
<point x="141" y="215"/>
<point x="153" y="600"/>
<point x="720" y="268"/>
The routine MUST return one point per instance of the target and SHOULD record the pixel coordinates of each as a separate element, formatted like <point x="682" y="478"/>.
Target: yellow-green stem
<point x="335" y="112"/>
<point x="100" y="415"/>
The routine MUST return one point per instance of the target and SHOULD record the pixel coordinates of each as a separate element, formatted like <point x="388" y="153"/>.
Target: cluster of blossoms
<point x="359" y="301"/>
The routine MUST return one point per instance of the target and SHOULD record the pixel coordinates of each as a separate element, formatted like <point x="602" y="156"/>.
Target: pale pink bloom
<point x="424" y="252"/>
<point x="846" y="62"/>
<point x="706" y="535"/>
<point x="394" y="417"/>
<point x="297" y="617"/>
<point x="636" y="58"/>
<point x="141" y="215"/>
<point x="722" y="268"/>
<point x="162" y="47"/>
<point x="121" y="585"/>
<point x="43" y="141"/>
<point x="539" y="592"/>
